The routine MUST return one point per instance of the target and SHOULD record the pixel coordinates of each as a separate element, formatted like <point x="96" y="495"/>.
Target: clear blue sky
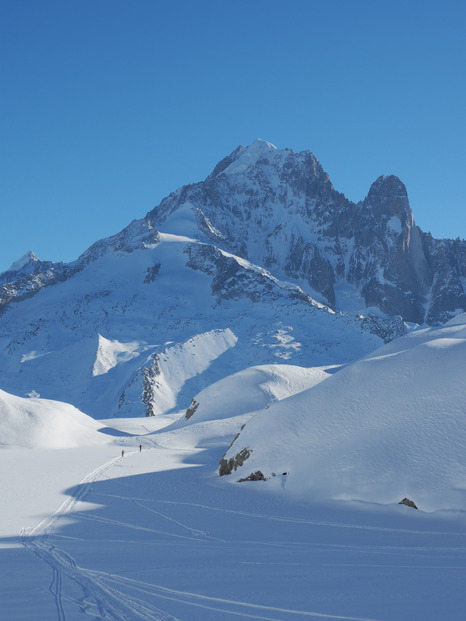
<point x="106" y="106"/>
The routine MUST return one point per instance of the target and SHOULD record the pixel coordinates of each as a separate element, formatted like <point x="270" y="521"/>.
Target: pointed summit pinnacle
<point x="260" y="145"/>
<point x="26" y="259"/>
<point x="243" y="157"/>
<point x="387" y="187"/>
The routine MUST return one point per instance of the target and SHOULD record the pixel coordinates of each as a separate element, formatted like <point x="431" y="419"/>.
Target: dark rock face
<point x="305" y="260"/>
<point x="447" y="262"/>
<point x="254" y="476"/>
<point x="150" y="385"/>
<point x="233" y="281"/>
<point x="387" y="329"/>
<point x="408" y="503"/>
<point x="151" y="273"/>
<point x="192" y="408"/>
<point x="389" y="263"/>
<point x="18" y="286"/>
<point x="227" y="466"/>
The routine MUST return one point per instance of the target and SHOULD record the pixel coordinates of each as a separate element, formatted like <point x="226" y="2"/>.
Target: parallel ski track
<point x="101" y="597"/>
<point x="108" y="603"/>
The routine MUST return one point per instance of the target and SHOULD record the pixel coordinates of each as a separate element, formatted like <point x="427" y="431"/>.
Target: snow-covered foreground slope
<point x="158" y="535"/>
<point x="389" y="426"/>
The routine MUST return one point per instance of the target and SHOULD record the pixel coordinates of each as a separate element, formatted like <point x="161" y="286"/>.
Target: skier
<point x="140" y="447"/>
<point x="123" y="452"/>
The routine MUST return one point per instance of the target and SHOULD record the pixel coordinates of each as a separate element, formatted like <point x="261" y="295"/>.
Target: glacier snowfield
<point x="89" y="533"/>
<point x="158" y="535"/>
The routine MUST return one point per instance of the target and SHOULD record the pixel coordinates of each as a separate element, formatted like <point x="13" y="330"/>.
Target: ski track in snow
<point x="133" y="527"/>
<point x="102" y="599"/>
<point x="195" y="599"/>
<point x="277" y="518"/>
<point x="110" y="603"/>
<point x="45" y="527"/>
<point x="158" y="503"/>
<point x="194" y="531"/>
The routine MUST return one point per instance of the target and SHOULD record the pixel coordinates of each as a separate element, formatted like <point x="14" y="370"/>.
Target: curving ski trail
<point x="45" y="527"/>
<point x="112" y="605"/>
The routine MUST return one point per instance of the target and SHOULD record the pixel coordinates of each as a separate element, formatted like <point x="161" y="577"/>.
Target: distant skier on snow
<point x="123" y="452"/>
<point x="140" y="447"/>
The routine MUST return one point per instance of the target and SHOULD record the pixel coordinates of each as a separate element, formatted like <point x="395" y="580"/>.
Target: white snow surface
<point x="259" y="148"/>
<point x="394" y="224"/>
<point x="181" y="362"/>
<point x="156" y="534"/>
<point x="89" y="339"/>
<point x="389" y="426"/>
<point x="41" y="423"/>
<point x="253" y="389"/>
<point x="111" y="352"/>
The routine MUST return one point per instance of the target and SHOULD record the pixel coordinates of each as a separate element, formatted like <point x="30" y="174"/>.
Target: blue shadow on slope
<point x="183" y="544"/>
<point x="110" y="431"/>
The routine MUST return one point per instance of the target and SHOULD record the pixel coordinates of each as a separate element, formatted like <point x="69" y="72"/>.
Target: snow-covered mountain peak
<point x="26" y="259"/>
<point x="278" y="209"/>
<point x="28" y="266"/>
<point x="258" y="247"/>
<point x="247" y="157"/>
<point x="261" y="146"/>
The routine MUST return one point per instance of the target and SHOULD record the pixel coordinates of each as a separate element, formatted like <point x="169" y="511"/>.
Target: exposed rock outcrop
<point x="150" y="385"/>
<point x="254" y="476"/>
<point x="227" y="466"/>
<point x="192" y="408"/>
<point x="408" y="503"/>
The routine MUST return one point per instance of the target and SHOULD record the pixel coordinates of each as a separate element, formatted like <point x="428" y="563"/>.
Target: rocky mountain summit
<point x="262" y="262"/>
<point x="279" y="209"/>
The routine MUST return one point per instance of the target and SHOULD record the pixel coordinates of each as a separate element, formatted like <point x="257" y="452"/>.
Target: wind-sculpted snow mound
<point x="41" y="423"/>
<point x="251" y="390"/>
<point x="389" y="426"/>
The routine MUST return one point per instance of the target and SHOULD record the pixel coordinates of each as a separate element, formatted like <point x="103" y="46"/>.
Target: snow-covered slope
<point x="389" y="426"/>
<point x="41" y="423"/>
<point x="156" y="534"/>
<point x="145" y="331"/>
<point x="148" y="535"/>
<point x="262" y="262"/>
<point x="250" y="390"/>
